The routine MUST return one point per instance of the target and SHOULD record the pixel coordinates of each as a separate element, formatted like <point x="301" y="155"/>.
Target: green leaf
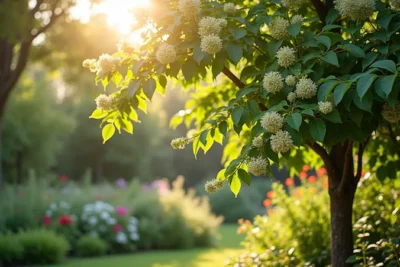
<point x="98" y="114"/>
<point x="339" y="92"/>
<point x="331" y="27"/>
<point x="236" y="115"/>
<point x="318" y="129"/>
<point x="218" y="63"/>
<point x="385" y="64"/>
<point x="108" y="132"/>
<point x="352" y="259"/>
<point x="133" y="87"/>
<point x="333" y="116"/>
<point x="384" y="84"/>
<point x="365" y="103"/>
<point x="235" y="185"/>
<point x="244" y="177"/>
<point x="354" y="49"/>
<point x="196" y="146"/>
<point x="162" y="80"/>
<point x="149" y="88"/>
<point x="294" y="29"/>
<point x="369" y="59"/>
<point x="325" y="89"/>
<point x="203" y="137"/>
<point x="273" y="46"/>
<point x="364" y="83"/>
<point x="223" y="128"/>
<point x="294" y="121"/>
<point x="245" y="91"/>
<point x="127" y="126"/>
<point x="332" y="16"/>
<point x="331" y="58"/>
<point x="137" y="66"/>
<point x="325" y="40"/>
<point x="235" y="52"/>
<point x="238" y="33"/>
<point x="198" y="54"/>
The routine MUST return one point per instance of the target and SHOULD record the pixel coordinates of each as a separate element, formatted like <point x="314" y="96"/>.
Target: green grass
<point x="212" y="257"/>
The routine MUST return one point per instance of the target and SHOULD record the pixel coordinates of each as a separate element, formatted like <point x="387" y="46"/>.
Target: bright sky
<point x="118" y="12"/>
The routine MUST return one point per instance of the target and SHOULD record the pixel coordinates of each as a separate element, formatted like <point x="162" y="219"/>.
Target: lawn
<point x="212" y="257"/>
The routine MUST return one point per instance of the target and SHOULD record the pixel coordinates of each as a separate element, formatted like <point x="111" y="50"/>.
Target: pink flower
<point x="117" y="228"/>
<point x="63" y="178"/>
<point x="46" y="220"/>
<point x="121" y="211"/>
<point x="65" y="220"/>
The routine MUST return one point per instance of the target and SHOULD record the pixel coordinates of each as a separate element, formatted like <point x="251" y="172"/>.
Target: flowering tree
<point x="301" y="77"/>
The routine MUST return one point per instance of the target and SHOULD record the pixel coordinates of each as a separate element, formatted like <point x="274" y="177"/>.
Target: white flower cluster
<point x="125" y="47"/>
<point x="281" y="142"/>
<point x="104" y="102"/>
<point x="273" y="82"/>
<point x="213" y="186"/>
<point x="258" y="166"/>
<point x="90" y="64"/>
<point x="189" y="8"/>
<point x="272" y="122"/>
<point x="278" y="28"/>
<point x="290" y="80"/>
<point x="107" y="64"/>
<point x="297" y="19"/>
<point x="211" y="44"/>
<point x="325" y="107"/>
<point x="229" y="8"/>
<point x="166" y="54"/>
<point x="358" y="10"/>
<point x="391" y="114"/>
<point x="291" y="97"/>
<point x="306" y="88"/>
<point x="258" y="141"/>
<point x="179" y="143"/>
<point x="209" y="30"/>
<point x="286" y="56"/>
<point x="59" y="208"/>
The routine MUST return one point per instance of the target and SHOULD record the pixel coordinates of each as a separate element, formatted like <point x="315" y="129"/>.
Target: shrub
<point x="42" y="247"/>
<point x="89" y="246"/>
<point x="295" y="232"/>
<point x="11" y="250"/>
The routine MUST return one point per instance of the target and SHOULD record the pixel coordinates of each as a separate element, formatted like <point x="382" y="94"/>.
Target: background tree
<point x="320" y="77"/>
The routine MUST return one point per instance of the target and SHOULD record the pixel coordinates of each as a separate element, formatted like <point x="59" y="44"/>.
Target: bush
<point x="89" y="246"/>
<point x="296" y="231"/>
<point x="42" y="247"/>
<point x="11" y="250"/>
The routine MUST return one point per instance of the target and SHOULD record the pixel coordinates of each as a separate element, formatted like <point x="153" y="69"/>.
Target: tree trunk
<point x="341" y="205"/>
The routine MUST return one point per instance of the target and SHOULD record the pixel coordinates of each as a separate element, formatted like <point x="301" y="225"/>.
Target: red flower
<point x="303" y="175"/>
<point x="289" y="181"/>
<point x="270" y="194"/>
<point x="63" y="178"/>
<point x="46" y="220"/>
<point x="247" y="222"/>
<point x="267" y="202"/>
<point x="306" y="168"/>
<point x="312" y="179"/>
<point x="321" y="172"/>
<point x="117" y="228"/>
<point x="65" y="220"/>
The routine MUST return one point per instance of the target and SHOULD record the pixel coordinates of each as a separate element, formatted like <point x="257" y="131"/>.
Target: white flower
<point x="179" y="143"/>
<point x="134" y="236"/>
<point x="281" y="142"/>
<point x="355" y="9"/>
<point x="211" y="25"/>
<point x="132" y="228"/>
<point x="272" y="122"/>
<point x="93" y="220"/>
<point x="104" y="215"/>
<point x="121" y="238"/>
<point x="107" y="64"/>
<point x="291" y="97"/>
<point x="90" y="64"/>
<point x="111" y="221"/>
<point x="297" y="19"/>
<point x="133" y="220"/>
<point x="211" y="187"/>
<point x="53" y="206"/>
<point x="104" y="102"/>
<point x="290" y="80"/>
<point x="65" y="205"/>
<point x="278" y="28"/>
<point x="229" y="8"/>
<point x="306" y="88"/>
<point x="166" y="54"/>
<point x="189" y="8"/>
<point x="258" y="141"/>
<point x="74" y="217"/>
<point x="211" y="44"/>
<point x="258" y="166"/>
<point x="391" y="114"/>
<point x="286" y="56"/>
<point x="273" y="82"/>
<point x="325" y="107"/>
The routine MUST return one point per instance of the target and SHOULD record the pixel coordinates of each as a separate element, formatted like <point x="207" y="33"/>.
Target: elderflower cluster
<point x="297" y="19"/>
<point x="294" y="4"/>
<point x="189" y="8"/>
<point x="273" y="82"/>
<point x="211" y="25"/>
<point x="355" y="9"/>
<point x="213" y="186"/>
<point x="107" y="64"/>
<point x="229" y="8"/>
<point x="90" y="64"/>
<point x="281" y="142"/>
<point x="290" y="80"/>
<point x="166" y="54"/>
<point x="211" y="44"/>
<point x="278" y="28"/>
<point x="258" y="166"/>
<point x="125" y="47"/>
<point x="286" y="56"/>
<point x="258" y="141"/>
<point x="179" y="143"/>
<point x="391" y="114"/>
<point x="306" y="88"/>
<point x="104" y="102"/>
<point x="272" y="122"/>
<point x="325" y="107"/>
<point x="291" y="97"/>
<point x="395" y="4"/>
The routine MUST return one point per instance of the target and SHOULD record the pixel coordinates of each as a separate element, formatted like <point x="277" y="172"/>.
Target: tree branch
<point x="36" y="7"/>
<point x="325" y="158"/>
<point x="233" y="78"/>
<point x="361" y="149"/>
<point x="348" y="163"/>
<point x="47" y="26"/>
<point x="321" y="9"/>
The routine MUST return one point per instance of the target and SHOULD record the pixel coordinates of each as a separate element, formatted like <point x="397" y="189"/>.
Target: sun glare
<point x="119" y="15"/>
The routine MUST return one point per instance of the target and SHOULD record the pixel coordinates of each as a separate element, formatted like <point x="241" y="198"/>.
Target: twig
<point x="361" y="149"/>
<point x="233" y="78"/>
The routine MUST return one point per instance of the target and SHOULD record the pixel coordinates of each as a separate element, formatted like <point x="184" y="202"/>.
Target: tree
<point x="21" y="22"/>
<point x="313" y="78"/>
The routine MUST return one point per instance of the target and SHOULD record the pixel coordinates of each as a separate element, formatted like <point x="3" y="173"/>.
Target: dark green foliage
<point x="11" y="250"/>
<point x="89" y="246"/>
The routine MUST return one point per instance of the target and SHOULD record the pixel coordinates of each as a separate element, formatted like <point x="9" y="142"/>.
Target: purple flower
<point x="120" y="183"/>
